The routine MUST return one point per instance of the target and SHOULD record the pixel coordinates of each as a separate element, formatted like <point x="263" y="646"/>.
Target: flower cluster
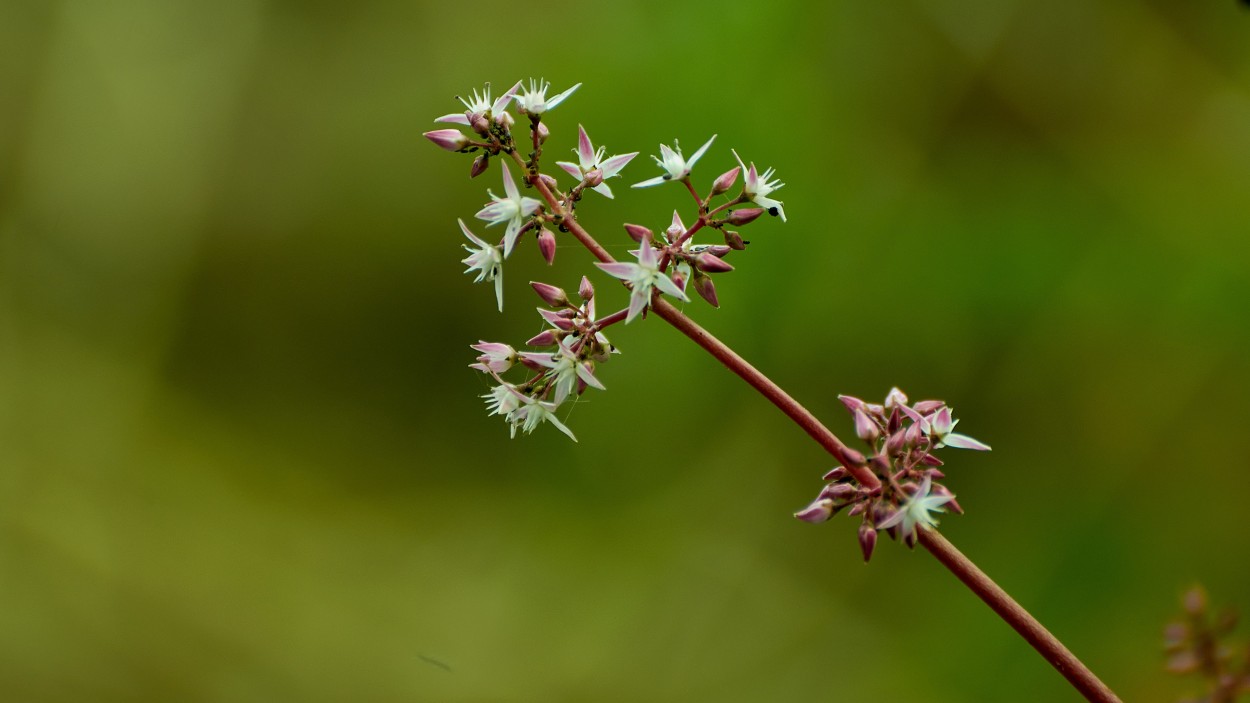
<point x="669" y="263"/>
<point x="903" y="438"/>
<point x="577" y="343"/>
<point x="1197" y="643"/>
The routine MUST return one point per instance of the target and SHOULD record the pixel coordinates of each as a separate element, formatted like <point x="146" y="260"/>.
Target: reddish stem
<point x="1046" y="644"/>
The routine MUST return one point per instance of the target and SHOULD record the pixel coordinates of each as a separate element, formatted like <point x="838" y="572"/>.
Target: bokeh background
<point x="242" y="458"/>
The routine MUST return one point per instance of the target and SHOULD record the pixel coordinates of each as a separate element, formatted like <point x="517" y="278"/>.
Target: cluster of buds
<point x="902" y="439"/>
<point x="577" y="344"/>
<point x="667" y="264"/>
<point x="1196" y="643"/>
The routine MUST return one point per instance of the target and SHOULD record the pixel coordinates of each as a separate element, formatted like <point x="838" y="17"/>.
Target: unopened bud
<point x="638" y="233"/>
<point x="742" y="216"/>
<point x="865" y="428"/>
<point x="480" y="124"/>
<point x="1195" y="600"/>
<point x="726" y="181"/>
<point x="679" y="279"/>
<point x="504" y="119"/>
<point x="593" y="178"/>
<point x="819" y="511"/>
<point x="852" y="457"/>
<point x="838" y="491"/>
<point x="836" y="474"/>
<point x="543" y="132"/>
<point x="880" y="463"/>
<point x="930" y="460"/>
<point x="555" y="319"/>
<point x="706" y="289"/>
<point x="548" y="181"/>
<point x="896" y="443"/>
<point x="550" y="294"/>
<point x="895" y="398"/>
<point x="676" y="229"/>
<point x="712" y="264"/>
<point x="867" y="540"/>
<point x="925" y="407"/>
<point x="858" y="508"/>
<point x="851" y="402"/>
<point x="586" y="290"/>
<point x="479" y="165"/>
<point x="734" y="241"/>
<point x="547" y="245"/>
<point x="718" y="250"/>
<point x="546" y="338"/>
<point x="449" y="139"/>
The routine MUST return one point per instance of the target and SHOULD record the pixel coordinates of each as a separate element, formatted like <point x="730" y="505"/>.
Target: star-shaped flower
<point x="589" y="160"/>
<point x="940" y="426"/>
<point x="512" y="209"/>
<point x="677" y="167"/>
<point x="533" y="413"/>
<point x="534" y="101"/>
<point x="486" y="260"/>
<point x="916" y="511"/>
<point x="567" y="368"/>
<point x="758" y="186"/>
<point x="642" y="278"/>
<point x="481" y="104"/>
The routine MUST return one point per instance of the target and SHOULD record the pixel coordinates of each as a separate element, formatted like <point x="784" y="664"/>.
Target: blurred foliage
<point x="241" y="457"/>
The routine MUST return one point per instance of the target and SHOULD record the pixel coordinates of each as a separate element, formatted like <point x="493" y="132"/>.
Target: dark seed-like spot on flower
<point x="667" y="177"/>
<point x="772" y="211"/>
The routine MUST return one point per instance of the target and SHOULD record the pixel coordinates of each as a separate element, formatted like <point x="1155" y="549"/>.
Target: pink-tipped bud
<point x="858" y="508"/>
<point x="547" y="245"/>
<point x="1195" y="600"/>
<point x="556" y="320"/>
<point x="867" y="540"/>
<point x="838" y="491"/>
<point x="449" y="139"/>
<point x="718" y="250"/>
<point x="734" y="241"/>
<point x="548" y="181"/>
<point x="851" y="402"/>
<point x="938" y="489"/>
<point x="479" y="165"/>
<point x="593" y="178"/>
<point x="550" y="294"/>
<point x="480" y="124"/>
<point x="638" y="233"/>
<point x="930" y="460"/>
<point x="586" y="290"/>
<point x="865" y="428"/>
<point x="819" y="511"/>
<point x="543" y="132"/>
<point x="896" y="443"/>
<point x="744" y="215"/>
<point x="505" y="119"/>
<point x="546" y="338"/>
<point x="836" y="474"/>
<point x="712" y="264"/>
<point x="895" y="398"/>
<point x="880" y="464"/>
<point x="726" y="181"/>
<point x="894" y="422"/>
<point x="706" y="289"/>
<point x="936" y="474"/>
<point x="679" y="278"/>
<point x="925" y="407"/>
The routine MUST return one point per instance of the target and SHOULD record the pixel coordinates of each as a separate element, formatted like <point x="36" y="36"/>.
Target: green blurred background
<point x="242" y="458"/>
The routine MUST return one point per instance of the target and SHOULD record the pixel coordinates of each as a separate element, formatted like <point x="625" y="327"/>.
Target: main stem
<point x="1046" y="644"/>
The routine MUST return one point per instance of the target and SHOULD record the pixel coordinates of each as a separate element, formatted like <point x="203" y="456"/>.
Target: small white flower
<point x="486" y="260"/>
<point x="642" y="278"/>
<point x="916" y="511"/>
<point x="534" y="101"/>
<point x="496" y="357"/>
<point x="758" y="186"/>
<point x="939" y="428"/>
<point x="512" y="209"/>
<point x="589" y="159"/>
<point x="567" y="369"/>
<point x="533" y="413"/>
<point x="677" y="168"/>
<point x="503" y="399"/>
<point x="481" y="104"/>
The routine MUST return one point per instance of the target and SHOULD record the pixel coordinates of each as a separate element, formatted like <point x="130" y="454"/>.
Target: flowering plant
<point x="893" y="487"/>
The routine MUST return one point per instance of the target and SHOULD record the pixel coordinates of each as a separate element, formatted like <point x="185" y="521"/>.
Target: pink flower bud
<point x="865" y="428"/>
<point x="550" y="294"/>
<point x="593" y="178"/>
<point x="706" y="289"/>
<point x="819" y="511"/>
<point x="546" y="338"/>
<point x="851" y="402"/>
<point x="930" y="460"/>
<point x="480" y="124"/>
<point x="638" y="233"/>
<point x="896" y="443"/>
<point x="852" y="457"/>
<point x="679" y="279"/>
<point x="925" y="407"/>
<point x="895" y="398"/>
<point x="835" y="475"/>
<point x="543" y="132"/>
<point x="838" y="491"/>
<point x="586" y="290"/>
<point x="504" y="119"/>
<point x="858" y="508"/>
<point x="880" y="463"/>
<point x="548" y="181"/>
<point x="547" y="245"/>
<point x="718" y="250"/>
<point x="734" y="241"/>
<point x="726" y="181"/>
<point x="479" y="165"/>
<point x="744" y="215"/>
<point x="556" y="320"/>
<point x="449" y="139"/>
<point x="867" y="540"/>
<point x="712" y="264"/>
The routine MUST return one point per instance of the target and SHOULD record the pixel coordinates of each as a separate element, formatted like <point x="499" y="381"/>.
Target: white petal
<point x="699" y="153"/>
<point x="556" y="100"/>
<point x="651" y="182"/>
